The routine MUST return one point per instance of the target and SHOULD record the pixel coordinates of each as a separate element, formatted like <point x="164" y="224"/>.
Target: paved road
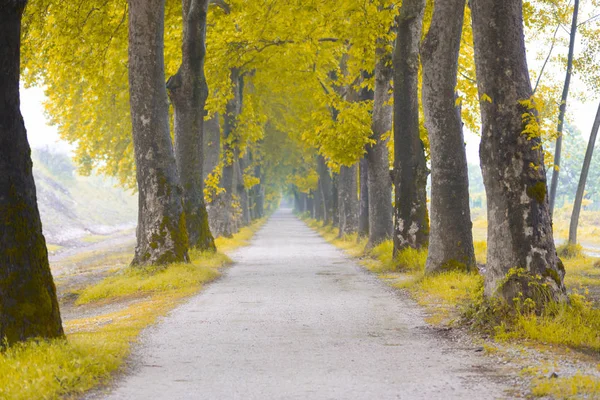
<point x="295" y="319"/>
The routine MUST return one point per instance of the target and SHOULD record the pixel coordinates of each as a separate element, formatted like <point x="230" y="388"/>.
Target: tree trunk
<point x="378" y="163"/>
<point x="310" y="204"/>
<point x="318" y="204"/>
<point x="583" y="179"/>
<point x="335" y="210"/>
<point x="242" y="191"/>
<point x="512" y="163"/>
<point x="325" y="190"/>
<point x="363" y="214"/>
<point x="161" y="233"/>
<point x="28" y="304"/>
<point x="411" y="228"/>
<point x="451" y="237"/>
<point x="227" y="215"/>
<point x="348" y="200"/>
<point x="563" y="108"/>
<point x="259" y="193"/>
<point x="211" y="136"/>
<point x="188" y="91"/>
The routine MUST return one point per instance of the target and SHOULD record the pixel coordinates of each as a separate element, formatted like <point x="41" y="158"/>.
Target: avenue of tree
<point x="213" y="109"/>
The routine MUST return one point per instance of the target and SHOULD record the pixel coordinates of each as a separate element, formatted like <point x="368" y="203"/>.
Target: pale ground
<point x="296" y="319"/>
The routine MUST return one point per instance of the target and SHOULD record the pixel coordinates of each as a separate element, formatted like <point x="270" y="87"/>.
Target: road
<point x="294" y="318"/>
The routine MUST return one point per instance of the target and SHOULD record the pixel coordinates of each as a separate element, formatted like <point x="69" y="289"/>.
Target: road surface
<point x="296" y="319"/>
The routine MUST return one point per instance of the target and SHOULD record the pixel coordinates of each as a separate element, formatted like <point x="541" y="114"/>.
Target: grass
<point x="97" y="346"/>
<point x="572" y="387"/>
<point x="143" y="281"/>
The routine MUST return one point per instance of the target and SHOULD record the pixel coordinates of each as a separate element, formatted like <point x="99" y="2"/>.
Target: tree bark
<point x="348" y="200"/>
<point x="211" y="136"/>
<point x="28" y="304"/>
<point x="234" y="105"/>
<point x="378" y="163"/>
<point x="242" y="191"/>
<point x="563" y="108"/>
<point x="583" y="179"/>
<point x="451" y="237"/>
<point x="335" y="197"/>
<point x="188" y="91"/>
<point x="161" y="233"/>
<point x="363" y="214"/>
<point x="325" y="190"/>
<point x="411" y="227"/>
<point x="512" y="163"/>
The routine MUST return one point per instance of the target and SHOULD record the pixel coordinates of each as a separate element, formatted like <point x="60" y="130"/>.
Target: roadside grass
<point x="97" y="346"/>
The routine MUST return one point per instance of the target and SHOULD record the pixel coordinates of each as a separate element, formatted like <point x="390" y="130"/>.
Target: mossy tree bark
<point x="188" y="91"/>
<point x="411" y="223"/>
<point x="161" y="232"/>
<point x="378" y="164"/>
<point x="451" y="237"/>
<point x="28" y="304"/>
<point x="348" y="200"/>
<point x="512" y="162"/>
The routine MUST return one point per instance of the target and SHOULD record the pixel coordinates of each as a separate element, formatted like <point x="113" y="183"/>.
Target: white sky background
<point x="579" y="113"/>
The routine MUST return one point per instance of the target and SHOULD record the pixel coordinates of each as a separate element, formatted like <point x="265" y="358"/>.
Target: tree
<point x="378" y="165"/>
<point x="583" y="179"/>
<point x="348" y="200"/>
<point x="28" y="303"/>
<point x="363" y="213"/>
<point x="563" y="108"/>
<point x="451" y="237"/>
<point x="521" y="257"/>
<point x="411" y="228"/>
<point x="188" y="91"/>
<point x="161" y="232"/>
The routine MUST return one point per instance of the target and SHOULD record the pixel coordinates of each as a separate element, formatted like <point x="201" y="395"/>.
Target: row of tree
<point x="259" y="104"/>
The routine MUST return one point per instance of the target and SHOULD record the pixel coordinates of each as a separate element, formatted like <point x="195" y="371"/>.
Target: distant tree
<point x="28" y="303"/>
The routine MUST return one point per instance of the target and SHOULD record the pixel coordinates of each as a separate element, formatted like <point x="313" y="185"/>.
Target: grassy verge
<point x="453" y="297"/>
<point x="97" y="346"/>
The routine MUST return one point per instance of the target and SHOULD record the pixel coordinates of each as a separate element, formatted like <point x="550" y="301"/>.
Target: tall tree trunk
<point x="188" y="91"/>
<point x="211" y="137"/>
<point x="348" y="200"/>
<point x="451" y="237"/>
<point x="28" y="304"/>
<point x="512" y="162"/>
<point x="563" y="108"/>
<point x="310" y="204"/>
<point x="259" y="193"/>
<point x="325" y="190"/>
<point x="378" y="163"/>
<point x="233" y="109"/>
<point x="583" y="179"/>
<point x="161" y="233"/>
<point x="319" y="206"/>
<point x="335" y="197"/>
<point x="363" y="214"/>
<point x="242" y="191"/>
<point x="411" y="228"/>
